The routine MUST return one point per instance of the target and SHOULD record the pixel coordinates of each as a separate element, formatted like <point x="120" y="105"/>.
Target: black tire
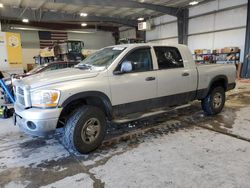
<point x="6" y="113"/>
<point x="209" y="105"/>
<point x="75" y="134"/>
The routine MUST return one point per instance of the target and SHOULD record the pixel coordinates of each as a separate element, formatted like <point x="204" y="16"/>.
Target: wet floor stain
<point x="239" y="99"/>
<point x="33" y="144"/>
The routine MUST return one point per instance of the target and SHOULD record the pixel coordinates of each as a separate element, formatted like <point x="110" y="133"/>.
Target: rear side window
<point x="168" y="57"/>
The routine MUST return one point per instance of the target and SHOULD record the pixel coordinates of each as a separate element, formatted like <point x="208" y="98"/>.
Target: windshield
<point x="37" y="69"/>
<point x="102" y="58"/>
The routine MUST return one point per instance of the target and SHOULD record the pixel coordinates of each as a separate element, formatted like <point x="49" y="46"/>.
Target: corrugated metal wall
<point x="164" y="30"/>
<point x="126" y="32"/>
<point x="226" y="27"/>
<point x="216" y="24"/>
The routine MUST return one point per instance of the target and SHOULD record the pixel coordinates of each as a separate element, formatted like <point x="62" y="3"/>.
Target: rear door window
<point x="168" y="57"/>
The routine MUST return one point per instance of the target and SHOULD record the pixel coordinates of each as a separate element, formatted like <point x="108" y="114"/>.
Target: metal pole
<point x="182" y="21"/>
<point x="6" y="89"/>
<point x="246" y="65"/>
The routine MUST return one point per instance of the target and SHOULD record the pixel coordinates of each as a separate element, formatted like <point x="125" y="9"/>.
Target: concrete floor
<point x="202" y="152"/>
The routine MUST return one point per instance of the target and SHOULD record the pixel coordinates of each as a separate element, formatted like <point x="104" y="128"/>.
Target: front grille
<point x="21" y="100"/>
<point x="20" y="96"/>
<point x="20" y="91"/>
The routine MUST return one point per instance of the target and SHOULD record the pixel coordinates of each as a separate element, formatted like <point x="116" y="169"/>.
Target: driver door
<point x="134" y="91"/>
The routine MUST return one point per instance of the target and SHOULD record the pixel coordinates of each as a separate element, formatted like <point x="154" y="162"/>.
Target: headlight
<point x="45" y="98"/>
<point x="8" y="82"/>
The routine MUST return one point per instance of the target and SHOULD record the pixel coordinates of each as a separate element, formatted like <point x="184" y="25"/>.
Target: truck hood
<point x="58" y="76"/>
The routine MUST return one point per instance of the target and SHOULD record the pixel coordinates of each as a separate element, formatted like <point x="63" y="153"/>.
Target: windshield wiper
<point x="83" y="66"/>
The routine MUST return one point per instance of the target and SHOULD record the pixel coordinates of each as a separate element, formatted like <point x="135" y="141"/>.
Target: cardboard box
<point x="217" y="51"/>
<point x="231" y="49"/>
<point x="202" y="51"/>
<point x="198" y="51"/>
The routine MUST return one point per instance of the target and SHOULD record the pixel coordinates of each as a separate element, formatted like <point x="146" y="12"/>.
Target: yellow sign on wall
<point x="14" y="49"/>
<point x="1" y="39"/>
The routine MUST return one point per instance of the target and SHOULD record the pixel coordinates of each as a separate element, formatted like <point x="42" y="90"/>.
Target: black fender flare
<point x="104" y="98"/>
<point x="204" y="93"/>
<point x="217" y="78"/>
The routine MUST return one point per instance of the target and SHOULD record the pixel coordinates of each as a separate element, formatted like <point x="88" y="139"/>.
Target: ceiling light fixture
<point x="140" y="19"/>
<point x="1" y="5"/>
<point x="84" y="24"/>
<point x="25" y="20"/>
<point x="194" y="3"/>
<point x="83" y="14"/>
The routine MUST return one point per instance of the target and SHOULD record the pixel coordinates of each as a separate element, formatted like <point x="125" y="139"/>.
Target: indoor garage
<point x="113" y="93"/>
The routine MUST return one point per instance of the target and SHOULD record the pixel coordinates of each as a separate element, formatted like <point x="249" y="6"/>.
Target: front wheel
<point x="214" y="102"/>
<point x="85" y="129"/>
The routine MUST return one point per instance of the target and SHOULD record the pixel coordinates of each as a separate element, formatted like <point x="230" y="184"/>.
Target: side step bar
<point x="127" y="119"/>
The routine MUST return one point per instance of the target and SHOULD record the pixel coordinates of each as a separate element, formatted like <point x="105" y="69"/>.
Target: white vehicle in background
<point x="118" y="83"/>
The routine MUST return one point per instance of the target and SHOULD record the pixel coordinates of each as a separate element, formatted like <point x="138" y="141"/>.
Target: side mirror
<point x="126" y="66"/>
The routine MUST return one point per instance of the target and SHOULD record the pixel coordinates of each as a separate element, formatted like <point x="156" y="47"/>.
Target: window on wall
<point x="140" y="59"/>
<point x="168" y="57"/>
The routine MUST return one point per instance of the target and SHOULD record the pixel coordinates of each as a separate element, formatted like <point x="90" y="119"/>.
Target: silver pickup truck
<point x="117" y="83"/>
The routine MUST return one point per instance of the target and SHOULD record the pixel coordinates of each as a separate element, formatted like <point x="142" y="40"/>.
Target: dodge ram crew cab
<point x="117" y="84"/>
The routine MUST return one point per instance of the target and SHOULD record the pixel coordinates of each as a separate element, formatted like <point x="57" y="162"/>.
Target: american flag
<point x="47" y="38"/>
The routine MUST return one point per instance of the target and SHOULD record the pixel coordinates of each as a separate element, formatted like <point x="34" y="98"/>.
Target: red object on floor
<point x="245" y="81"/>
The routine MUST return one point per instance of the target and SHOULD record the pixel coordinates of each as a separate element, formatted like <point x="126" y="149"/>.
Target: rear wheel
<point x="85" y="129"/>
<point x="214" y="102"/>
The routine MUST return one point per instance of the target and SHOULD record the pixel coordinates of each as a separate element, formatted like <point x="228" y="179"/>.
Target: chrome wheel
<point x="91" y="130"/>
<point x="217" y="100"/>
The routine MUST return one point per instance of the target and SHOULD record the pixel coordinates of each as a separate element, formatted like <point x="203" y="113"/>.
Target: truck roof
<point x="149" y="44"/>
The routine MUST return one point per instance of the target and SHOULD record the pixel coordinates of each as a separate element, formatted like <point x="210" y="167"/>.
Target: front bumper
<point x="37" y="122"/>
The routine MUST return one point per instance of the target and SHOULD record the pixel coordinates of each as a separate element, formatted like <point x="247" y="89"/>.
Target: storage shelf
<point x="212" y="58"/>
<point x="218" y="53"/>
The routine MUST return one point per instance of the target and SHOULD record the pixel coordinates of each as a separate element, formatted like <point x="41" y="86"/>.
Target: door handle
<point x="185" y="74"/>
<point x="150" y="78"/>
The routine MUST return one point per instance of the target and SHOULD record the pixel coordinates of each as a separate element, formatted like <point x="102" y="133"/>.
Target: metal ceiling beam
<point x="14" y="13"/>
<point x="121" y="4"/>
<point x="59" y="26"/>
